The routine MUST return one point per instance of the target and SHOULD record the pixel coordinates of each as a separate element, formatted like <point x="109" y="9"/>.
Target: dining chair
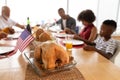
<point x="116" y="57"/>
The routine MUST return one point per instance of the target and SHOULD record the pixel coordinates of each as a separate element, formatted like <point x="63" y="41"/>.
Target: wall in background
<point x="41" y="11"/>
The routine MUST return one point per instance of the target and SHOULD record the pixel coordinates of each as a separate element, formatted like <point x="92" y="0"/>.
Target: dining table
<point x="91" y="64"/>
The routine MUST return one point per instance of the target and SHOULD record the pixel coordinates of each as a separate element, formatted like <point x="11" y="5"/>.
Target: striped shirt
<point x="106" y="46"/>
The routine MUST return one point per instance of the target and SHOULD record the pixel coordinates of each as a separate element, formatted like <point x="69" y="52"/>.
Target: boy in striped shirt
<point x="104" y="44"/>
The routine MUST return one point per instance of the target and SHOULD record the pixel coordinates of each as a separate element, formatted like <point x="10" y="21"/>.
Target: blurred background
<point x="46" y="11"/>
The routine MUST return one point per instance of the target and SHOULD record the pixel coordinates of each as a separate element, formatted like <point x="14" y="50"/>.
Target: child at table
<point x="89" y="31"/>
<point x="104" y="44"/>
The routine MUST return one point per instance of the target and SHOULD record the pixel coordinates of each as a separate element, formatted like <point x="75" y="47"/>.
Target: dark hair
<point x="60" y="9"/>
<point x="86" y="15"/>
<point x="111" y="23"/>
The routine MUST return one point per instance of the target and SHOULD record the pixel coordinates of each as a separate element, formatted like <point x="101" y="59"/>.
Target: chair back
<point x="116" y="57"/>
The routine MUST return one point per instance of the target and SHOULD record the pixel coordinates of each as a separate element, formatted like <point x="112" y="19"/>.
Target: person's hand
<point x="22" y="27"/>
<point x="3" y="34"/>
<point x="76" y="36"/>
<point x="68" y="31"/>
<point x="89" y="48"/>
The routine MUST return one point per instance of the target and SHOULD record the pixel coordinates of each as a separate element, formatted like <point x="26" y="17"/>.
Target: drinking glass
<point x="68" y="44"/>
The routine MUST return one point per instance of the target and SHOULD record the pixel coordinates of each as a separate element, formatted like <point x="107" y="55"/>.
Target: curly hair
<point x="86" y="15"/>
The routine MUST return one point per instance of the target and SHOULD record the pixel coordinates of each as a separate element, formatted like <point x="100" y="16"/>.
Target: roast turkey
<point x="49" y="52"/>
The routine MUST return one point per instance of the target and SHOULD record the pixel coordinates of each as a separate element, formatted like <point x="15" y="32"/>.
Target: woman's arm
<point x="84" y="40"/>
<point x="93" y="34"/>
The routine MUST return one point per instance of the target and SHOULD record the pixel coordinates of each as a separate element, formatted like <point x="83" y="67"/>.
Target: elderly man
<point x="5" y="21"/>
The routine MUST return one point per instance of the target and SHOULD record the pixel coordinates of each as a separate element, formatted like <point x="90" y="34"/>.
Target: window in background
<point x="42" y="11"/>
<point x="118" y="19"/>
<point x="39" y="11"/>
<point x="75" y="7"/>
<point x="108" y="9"/>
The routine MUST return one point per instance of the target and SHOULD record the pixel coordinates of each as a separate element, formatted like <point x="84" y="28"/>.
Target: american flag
<point x="24" y="39"/>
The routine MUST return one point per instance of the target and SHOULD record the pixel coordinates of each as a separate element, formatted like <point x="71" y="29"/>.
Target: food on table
<point x="38" y="32"/>
<point x="44" y="37"/>
<point x="51" y="55"/>
<point x="3" y="34"/>
<point x="8" y="30"/>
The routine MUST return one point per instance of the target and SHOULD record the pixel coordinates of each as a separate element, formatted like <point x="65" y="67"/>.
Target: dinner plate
<point x="55" y="29"/>
<point x="12" y="36"/>
<point x="61" y="35"/>
<point x="5" y="49"/>
<point x="74" y="42"/>
<point x="15" y="35"/>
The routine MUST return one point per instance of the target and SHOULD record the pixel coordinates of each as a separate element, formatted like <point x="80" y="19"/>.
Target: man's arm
<point x="71" y="24"/>
<point x="20" y="26"/>
<point x="57" y="22"/>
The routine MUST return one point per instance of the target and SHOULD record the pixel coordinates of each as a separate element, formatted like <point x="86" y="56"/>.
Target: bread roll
<point x="38" y="32"/>
<point x="8" y="30"/>
<point x="3" y="34"/>
<point x="44" y="37"/>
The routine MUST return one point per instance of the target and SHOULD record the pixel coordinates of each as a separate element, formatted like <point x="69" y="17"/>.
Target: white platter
<point x="74" y="42"/>
<point x="5" y="49"/>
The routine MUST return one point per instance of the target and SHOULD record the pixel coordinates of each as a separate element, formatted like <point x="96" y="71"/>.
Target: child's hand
<point x="89" y="48"/>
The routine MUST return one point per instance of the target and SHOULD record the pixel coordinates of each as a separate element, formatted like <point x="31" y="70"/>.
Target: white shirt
<point x="64" y="23"/>
<point x="106" y="46"/>
<point x="6" y="23"/>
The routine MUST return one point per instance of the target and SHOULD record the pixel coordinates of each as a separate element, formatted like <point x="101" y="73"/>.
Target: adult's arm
<point x="20" y="26"/>
<point x="71" y="24"/>
<point x="76" y="36"/>
<point x="57" y="22"/>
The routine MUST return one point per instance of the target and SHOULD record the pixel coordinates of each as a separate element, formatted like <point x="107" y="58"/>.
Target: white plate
<point x="74" y="42"/>
<point x="15" y="35"/>
<point x="61" y="35"/>
<point x="55" y="29"/>
<point x="5" y="49"/>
